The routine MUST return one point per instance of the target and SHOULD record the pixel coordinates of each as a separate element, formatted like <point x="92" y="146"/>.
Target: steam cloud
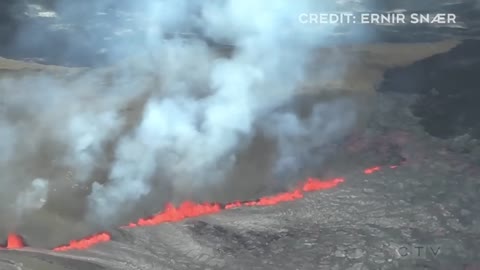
<point x="35" y="197"/>
<point x="198" y="110"/>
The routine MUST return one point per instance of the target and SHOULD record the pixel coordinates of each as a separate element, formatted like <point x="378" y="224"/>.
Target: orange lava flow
<point x="185" y="210"/>
<point x="15" y="241"/>
<point x="85" y="243"/>
<point x="189" y="209"/>
<point x="372" y="170"/>
<point x="313" y="184"/>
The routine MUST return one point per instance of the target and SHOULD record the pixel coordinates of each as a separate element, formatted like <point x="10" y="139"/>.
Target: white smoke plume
<point x="195" y="141"/>
<point x="34" y="197"/>
<point x="199" y="110"/>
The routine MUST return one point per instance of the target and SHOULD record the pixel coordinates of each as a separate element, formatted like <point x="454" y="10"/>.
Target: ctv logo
<point x="418" y="251"/>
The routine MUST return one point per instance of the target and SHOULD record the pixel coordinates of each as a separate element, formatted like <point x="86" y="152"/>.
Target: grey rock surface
<point x="420" y="215"/>
<point x="423" y="214"/>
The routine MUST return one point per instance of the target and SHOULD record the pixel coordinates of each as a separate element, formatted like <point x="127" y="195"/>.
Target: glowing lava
<point x="372" y="170"/>
<point x="14" y="241"/>
<point x="313" y="184"/>
<point x="85" y="243"/>
<point x="189" y="209"/>
<point x="172" y="213"/>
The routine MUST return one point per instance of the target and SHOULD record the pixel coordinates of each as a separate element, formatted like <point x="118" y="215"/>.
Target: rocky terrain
<point x="420" y="215"/>
<point x="418" y="90"/>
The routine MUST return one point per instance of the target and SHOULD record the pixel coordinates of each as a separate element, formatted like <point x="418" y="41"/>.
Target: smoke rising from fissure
<point x="175" y="112"/>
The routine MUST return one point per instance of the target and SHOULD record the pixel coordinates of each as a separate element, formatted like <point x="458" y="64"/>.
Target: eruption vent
<point x="15" y="241"/>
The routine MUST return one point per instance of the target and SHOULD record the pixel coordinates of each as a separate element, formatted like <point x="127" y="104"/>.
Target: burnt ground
<point x="421" y="215"/>
<point x="447" y="85"/>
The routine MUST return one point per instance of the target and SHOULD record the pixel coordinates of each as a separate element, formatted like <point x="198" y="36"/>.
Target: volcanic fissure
<point x="189" y="209"/>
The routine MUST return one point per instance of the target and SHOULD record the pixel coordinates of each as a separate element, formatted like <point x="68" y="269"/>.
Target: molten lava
<point x="190" y="209"/>
<point x="172" y="213"/>
<point x="86" y="242"/>
<point x="15" y="241"/>
<point x="313" y="184"/>
<point x="372" y="170"/>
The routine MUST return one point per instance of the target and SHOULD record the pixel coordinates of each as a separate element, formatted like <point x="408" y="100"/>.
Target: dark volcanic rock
<point x="447" y="86"/>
